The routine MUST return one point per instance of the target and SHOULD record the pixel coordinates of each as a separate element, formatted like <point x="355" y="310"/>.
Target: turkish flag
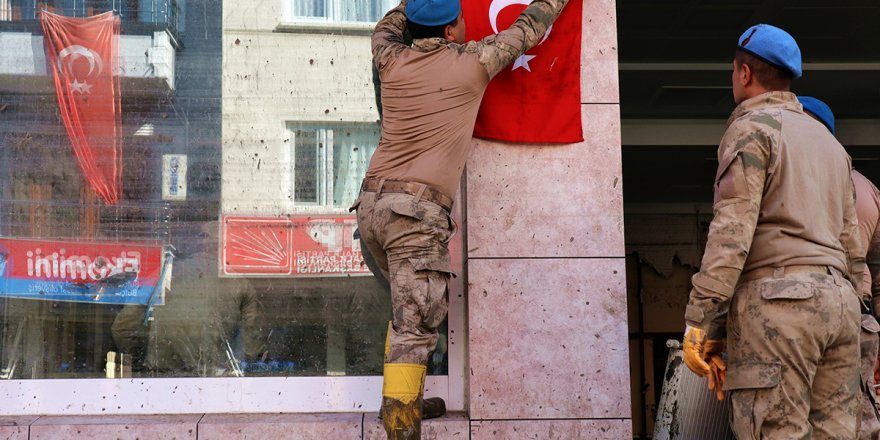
<point x="82" y="54"/>
<point x="537" y="98"/>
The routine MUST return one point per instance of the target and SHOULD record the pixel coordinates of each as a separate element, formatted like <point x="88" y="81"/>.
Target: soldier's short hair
<point x="771" y="77"/>
<point x="420" y="31"/>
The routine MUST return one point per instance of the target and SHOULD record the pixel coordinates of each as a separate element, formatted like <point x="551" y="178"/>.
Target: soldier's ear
<point x="745" y="74"/>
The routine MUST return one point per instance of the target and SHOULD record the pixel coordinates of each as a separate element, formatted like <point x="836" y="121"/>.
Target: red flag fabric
<point x="82" y="54"/>
<point x="537" y="98"/>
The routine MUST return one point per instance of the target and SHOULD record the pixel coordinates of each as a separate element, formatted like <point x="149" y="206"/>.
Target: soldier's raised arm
<point x="387" y="37"/>
<point x="499" y="50"/>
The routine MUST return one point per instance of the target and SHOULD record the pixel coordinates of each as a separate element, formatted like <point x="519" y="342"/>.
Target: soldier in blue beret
<point x="431" y="92"/>
<point x="868" y="212"/>
<point x="819" y="110"/>
<point x="777" y="284"/>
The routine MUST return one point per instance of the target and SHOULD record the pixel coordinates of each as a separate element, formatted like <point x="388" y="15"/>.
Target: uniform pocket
<point x="870" y="324"/>
<point x="755" y="375"/>
<point x="730" y="182"/>
<point x="408" y="208"/>
<point x="787" y="289"/>
<point x="750" y="403"/>
<point x="453" y="227"/>
<point x="438" y="263"/>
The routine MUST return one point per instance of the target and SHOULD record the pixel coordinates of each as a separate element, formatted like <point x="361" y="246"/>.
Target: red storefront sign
<point x="101" y="272"/>
<point x="301" y="246"/>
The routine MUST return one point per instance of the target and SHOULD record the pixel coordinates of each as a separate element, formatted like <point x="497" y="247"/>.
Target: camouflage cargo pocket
<point x="433" y="220"/>
<point x="408" y="208"/>
<point x="870" y="324"/>
<point x="435" y="263"/>
<point x="752" y="397"/>
<point x="787" y="289"/>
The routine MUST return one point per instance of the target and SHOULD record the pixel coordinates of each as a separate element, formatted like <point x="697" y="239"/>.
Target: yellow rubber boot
<point x="402" y="401"/>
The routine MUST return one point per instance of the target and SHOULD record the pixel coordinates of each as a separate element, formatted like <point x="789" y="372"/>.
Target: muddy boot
<point x="432" y="408"/>
<point x="402" y="401"/>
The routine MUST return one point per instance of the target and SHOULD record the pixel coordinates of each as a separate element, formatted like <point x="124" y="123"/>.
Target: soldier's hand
<point x="712" y="350"/>
<point x="718" y="376"/>
<point x="693" y="351"/>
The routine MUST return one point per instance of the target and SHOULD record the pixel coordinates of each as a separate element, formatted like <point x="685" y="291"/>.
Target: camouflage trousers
<point x="408" y="239"/>
<point x="793" y="358"/>
<point x="870" y="429"/>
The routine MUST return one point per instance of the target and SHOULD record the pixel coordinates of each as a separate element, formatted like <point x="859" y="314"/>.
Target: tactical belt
<point x="420" y="190"/>
<point x="767" y="272"/>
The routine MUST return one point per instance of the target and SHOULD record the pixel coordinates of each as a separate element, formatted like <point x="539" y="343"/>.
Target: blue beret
<point x="820" y="110"/>
<point x="433" y="12"/>
<point x="774" y="46"/>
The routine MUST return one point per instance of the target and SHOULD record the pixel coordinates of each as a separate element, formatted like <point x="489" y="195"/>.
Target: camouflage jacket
<point x="494" y="52"/>
<point x="783" y="197"/>
<point x="431" y="94"/>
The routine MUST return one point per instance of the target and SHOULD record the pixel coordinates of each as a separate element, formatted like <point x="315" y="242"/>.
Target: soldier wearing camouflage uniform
<point x="868" y="213"/>
<point x="431" y="92"/>
<point x="783" y="256"/>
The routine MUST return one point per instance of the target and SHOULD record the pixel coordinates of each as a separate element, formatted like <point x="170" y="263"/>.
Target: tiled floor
<point x="341" y="426"/>
<point x="354" y="426"/>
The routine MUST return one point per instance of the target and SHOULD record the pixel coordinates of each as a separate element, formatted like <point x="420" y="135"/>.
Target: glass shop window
<point x="186" y="228"/>
<point x="340" y="11"/>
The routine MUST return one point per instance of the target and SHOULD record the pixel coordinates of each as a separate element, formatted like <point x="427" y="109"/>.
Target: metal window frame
<point x="235" y="394"/>
<point x="327" y="19"/>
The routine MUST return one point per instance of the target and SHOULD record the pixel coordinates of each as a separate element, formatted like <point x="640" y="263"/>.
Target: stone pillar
<point x="548" y="350"/>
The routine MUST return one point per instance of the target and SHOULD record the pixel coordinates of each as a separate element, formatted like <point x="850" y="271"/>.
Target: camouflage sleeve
<point x="744" y="160"/>
<point x="387" y="40"/>
<point x="849" y="238"/>
<point x="865" y="239"/>
<point x="873" y="263"/>
<point x="867" y="210"/>
<point x="499" y="50"/>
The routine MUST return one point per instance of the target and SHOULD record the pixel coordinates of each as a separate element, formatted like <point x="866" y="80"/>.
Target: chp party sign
<point x="298" y="246"/>
<point x="80" y="271"/>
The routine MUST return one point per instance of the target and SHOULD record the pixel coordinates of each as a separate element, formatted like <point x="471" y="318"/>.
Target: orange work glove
<point x="693" y="349"/>
<point x="712" y="350"/>
<point x="703" y="357"/>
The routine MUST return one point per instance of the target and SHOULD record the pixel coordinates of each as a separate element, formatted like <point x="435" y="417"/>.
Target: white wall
<point x="140" y="56"/>
<point x="271" y="78"/>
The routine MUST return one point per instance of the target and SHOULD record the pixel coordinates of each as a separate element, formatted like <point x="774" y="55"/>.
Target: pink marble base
<point x="452" y="426"/>
<point x="552" y="430"/>
<point x="280" y="426"/>
<point x="549" y="200"/>
<point x="175" y="427"/>
<point x="548" y="339"/>
<point x="15" y="428"/>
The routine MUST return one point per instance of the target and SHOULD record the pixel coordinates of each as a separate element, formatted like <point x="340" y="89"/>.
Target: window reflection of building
<point x="335" y="11"/>
<point x="154" y="12"/>
<point x="329" y="161"/>
<point x="42" y="191"/>
<point x="207" y="327"/>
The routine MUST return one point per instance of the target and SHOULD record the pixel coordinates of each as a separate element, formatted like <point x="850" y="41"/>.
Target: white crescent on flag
<point x="498" y="5"/>
<point x="68" y="55"/>
<point x="495" y="9"/>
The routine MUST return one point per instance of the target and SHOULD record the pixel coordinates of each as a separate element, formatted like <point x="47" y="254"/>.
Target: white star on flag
<point x="82" y="87"/>
<point x="523" y="61"/>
